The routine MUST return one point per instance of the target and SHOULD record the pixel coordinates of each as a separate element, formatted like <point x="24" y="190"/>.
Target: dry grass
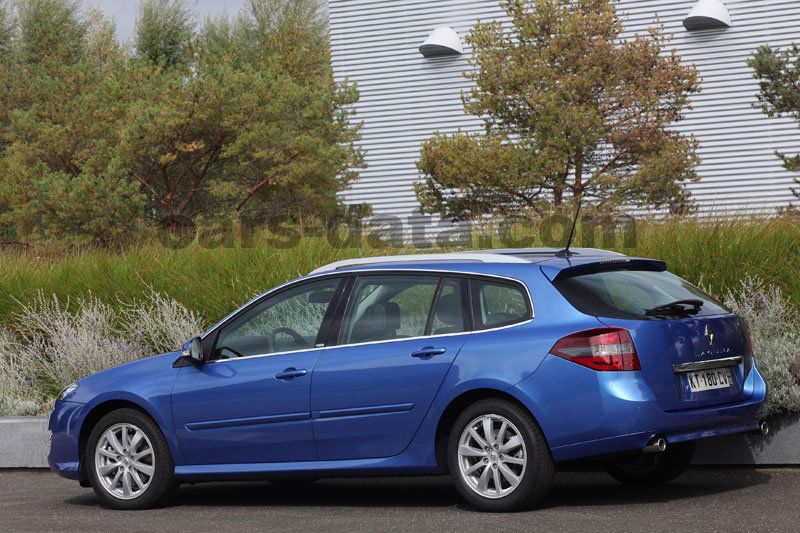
<point x="775" y="333"/>
<point x="52" y="347"/>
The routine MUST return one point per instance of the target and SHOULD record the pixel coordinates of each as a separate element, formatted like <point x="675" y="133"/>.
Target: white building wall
<point x="405" y="97"/>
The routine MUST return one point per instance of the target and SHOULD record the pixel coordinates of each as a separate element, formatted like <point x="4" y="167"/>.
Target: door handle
<point x="291" y="373"/>
<point x="428" y="351"/>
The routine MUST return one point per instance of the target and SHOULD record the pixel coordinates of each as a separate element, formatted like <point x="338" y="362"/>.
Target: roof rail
<point x="552" y="251"/>
<point x="462" y="257"/>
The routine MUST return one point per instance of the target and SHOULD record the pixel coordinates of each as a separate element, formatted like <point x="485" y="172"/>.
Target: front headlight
<point x="69" y="389"/>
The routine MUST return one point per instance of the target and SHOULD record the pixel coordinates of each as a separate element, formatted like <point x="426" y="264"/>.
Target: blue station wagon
<point x="494" y="367"/>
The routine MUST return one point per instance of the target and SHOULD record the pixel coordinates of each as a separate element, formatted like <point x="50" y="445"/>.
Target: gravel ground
<point x="703" y="499"/>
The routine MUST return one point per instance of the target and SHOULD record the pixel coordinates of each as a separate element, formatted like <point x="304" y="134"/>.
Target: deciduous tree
<point x="571" y="110"/>
<point x="164" y="30"/>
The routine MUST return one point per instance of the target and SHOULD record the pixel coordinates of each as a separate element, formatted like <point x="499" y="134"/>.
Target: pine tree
<point x="778" y="75"/>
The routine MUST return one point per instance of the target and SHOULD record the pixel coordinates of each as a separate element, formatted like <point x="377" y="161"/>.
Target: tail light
<point x="603" y="349"/>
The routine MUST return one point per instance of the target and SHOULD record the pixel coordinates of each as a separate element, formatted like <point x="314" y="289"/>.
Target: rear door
<point x="693" y="354"/>
<point x="399" y="336"/>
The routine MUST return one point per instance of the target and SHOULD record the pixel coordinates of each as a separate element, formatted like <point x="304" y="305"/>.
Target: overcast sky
<point x="124" y="11"/>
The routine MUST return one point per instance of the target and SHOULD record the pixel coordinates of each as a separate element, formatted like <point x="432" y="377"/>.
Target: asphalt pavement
<point x="703" y="499"/>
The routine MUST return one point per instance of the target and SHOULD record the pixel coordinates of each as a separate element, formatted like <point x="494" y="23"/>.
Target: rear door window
<point x="385" y="308"/>
<point x="637" y="295"/>
<point x="496" y="304"/>
<point x="448" y="315"/>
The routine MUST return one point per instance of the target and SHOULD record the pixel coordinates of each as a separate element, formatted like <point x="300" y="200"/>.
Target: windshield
<point x="635" y="294"/>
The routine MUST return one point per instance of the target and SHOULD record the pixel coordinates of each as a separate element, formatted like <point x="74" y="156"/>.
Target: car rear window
<point x="634" y="294"/>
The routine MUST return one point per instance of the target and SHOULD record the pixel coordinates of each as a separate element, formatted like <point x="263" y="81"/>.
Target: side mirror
<point x="194" y="351"/>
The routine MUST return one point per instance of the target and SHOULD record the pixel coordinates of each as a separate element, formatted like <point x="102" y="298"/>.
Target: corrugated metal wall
<point x="405" y="98"/>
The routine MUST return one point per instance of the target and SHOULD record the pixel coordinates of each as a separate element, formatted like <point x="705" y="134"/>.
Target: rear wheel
<point x="498" y="457"/>
<point x="128" y="461"/>
<point x="655" y="469"/>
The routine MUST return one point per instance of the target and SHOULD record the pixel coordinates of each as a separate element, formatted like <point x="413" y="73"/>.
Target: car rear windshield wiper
<point x="679" y="307"/>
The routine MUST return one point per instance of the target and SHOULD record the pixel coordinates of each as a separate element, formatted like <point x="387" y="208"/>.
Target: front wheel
<point x="128" y="461"/>
<point x="498" y="457"/>
<point x="655" y="469"/>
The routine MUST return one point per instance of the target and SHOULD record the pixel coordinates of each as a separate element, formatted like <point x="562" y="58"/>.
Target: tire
<point x="134" y="478"/>
<point x="521" y="453"/>
<point x="655" y="469"/>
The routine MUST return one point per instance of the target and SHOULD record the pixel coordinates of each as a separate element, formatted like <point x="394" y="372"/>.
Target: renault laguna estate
<point x="494" y="367"/>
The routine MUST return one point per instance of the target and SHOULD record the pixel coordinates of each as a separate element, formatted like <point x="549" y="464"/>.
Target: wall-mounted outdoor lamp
<point x="707" y="14"/>
<point x="443" y="41"/>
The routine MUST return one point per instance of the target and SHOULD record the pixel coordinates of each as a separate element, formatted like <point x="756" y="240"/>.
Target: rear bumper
<point x="685" y="426"/>
<point x="616" y="412"/>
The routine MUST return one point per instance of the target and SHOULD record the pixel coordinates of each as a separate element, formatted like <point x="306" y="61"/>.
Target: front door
<point x="251" y="403"/>
<point x="399" y="337"/>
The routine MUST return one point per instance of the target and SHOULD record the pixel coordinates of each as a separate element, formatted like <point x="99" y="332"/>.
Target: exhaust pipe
<point x="762" y="430"/>
<point x="657" y="445"/>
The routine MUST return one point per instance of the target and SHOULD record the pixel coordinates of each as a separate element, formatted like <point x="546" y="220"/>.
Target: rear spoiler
<point x="651" y="265"/>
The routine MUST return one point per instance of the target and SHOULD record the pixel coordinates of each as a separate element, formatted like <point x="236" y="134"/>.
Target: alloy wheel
<point x="492" y="456"/>
<point x="124" y="461"/>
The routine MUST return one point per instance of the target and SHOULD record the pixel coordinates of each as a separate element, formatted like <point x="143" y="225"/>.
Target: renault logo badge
<point x="710" y="335"/>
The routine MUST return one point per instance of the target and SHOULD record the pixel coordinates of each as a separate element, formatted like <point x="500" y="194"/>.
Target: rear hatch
<point x="693" y="351"/>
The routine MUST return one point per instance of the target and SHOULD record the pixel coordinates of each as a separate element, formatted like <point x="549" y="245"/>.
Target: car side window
<point x="286" y="322"/>
<point x="388" y="307"/>
<point x="448" y="315"/>
<point x="497" y="304"/>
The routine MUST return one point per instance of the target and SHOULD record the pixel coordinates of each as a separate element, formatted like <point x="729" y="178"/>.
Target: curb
<point x="24" y="442"/>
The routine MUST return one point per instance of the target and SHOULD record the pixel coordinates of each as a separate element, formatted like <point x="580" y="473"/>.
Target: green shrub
<point x="775" y="334"/>
<point x="18" y="393"/>
<point x="53" y="347"/>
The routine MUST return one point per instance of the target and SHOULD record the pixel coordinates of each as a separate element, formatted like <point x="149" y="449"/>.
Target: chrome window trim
<point x="387" y="341"/>
<point x="707" y="365"/>
<point x="291" y="352"/>
<point x="376" y="271"/>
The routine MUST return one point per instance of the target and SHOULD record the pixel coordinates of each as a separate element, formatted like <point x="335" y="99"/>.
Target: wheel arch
<point x="93" y="417"/>
<point x="457" y="405"/>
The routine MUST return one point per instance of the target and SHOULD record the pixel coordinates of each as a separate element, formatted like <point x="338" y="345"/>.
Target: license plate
<point x="717" y="378"/>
